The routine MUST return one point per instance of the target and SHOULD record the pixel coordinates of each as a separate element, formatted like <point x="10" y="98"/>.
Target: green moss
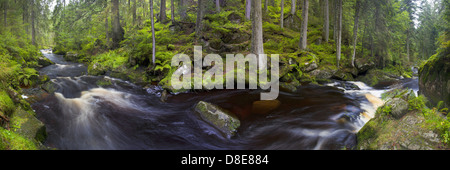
<point x="104" y="82"/>
<point x="6" y="104"/>
<point x="12" y="141"/>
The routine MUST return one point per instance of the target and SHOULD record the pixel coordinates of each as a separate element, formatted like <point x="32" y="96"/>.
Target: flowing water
<point x="121" y="115"/>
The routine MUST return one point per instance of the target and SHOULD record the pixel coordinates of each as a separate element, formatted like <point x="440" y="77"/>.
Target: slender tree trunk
<point x="182" y="9"/>
<point x="266" y="4"/>
<point x="248" y="8"/>
<point x="326" y="22"/>
<point x="153" y="34"/>
<point x="338" y="31"/>
<point x="33" y="29"/>
<point x="162" y="12"/>
<point x="172" y="10"/>
<point x="134" y="12"/>
<point x="117" y="28"/>
<point x="282" y="14"/>
<point x="335" y="19"/>
<point x="218" y="6"/>
<point x="5" y="13"/>
<point x="304" y="30"/>
<point x="25" y="17"/>
<point x="199" y="22"/>
<point x="408" y="43"/>
<point x="355" y="30"/>
<point x="257" y="31"/>
<point x="293" y="2"/>
<point x="107" y="25"/>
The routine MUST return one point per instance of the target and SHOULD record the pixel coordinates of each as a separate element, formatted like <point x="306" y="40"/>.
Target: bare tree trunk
<point x="33" y="29"/>
<point x="199" y="22"/>
<point x="172" y="10"/>
<point x="327" y="21"/>
<point x="293" y="2"/>
<point x="282" y="14"/>
<point x="134" y="12"/>
<point x="218" y="6"/>
<point x="338" y="31"/>
<point x="257" y="31"/>
<point x="304" y="31"/>
<point x="117" y="28"/>
<point x="153" y="34"/>
<point x="266" y="4"/>
<point x="248" y="8"/>
<point x="162" y="12"/>
<point x="182" y="8"/>
<point x="355" y="30"/>
<point x="107" y="25"/>
<point x="5" y="13"/>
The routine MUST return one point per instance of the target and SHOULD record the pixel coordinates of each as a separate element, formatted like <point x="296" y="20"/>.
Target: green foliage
<point x="27" y="76"/>
<point x="108" y="61"/>
<point x="417" y="103"/>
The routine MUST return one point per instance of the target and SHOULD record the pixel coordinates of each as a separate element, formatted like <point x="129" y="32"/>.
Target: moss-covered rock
<point x="434" y="79"/>
<point x="397" y="125"/>
<point x="26" y="124"/>
<point x="220" y="118"/>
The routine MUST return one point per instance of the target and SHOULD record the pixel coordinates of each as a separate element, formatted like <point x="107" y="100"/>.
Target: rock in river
<point x="220" y="118"/>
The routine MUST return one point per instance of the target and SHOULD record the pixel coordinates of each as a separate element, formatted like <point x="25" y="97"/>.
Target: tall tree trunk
<point x="408" y="57"/>
<point x="355" y="30"/>
<point x="335" y="19"/>
<point x="326" y="22"/>
<point x="117" y="28"/>
<point x="199" y="22"/>
<point x="25" y="17"/>
<point x="338" y="31"/>
<point x="5" y="13"/>
<point x="257" y="31"/>
<point x="172" y="11"/>
<point x="33" y="29"/>
<point x="304" y="30"/>
<point x="218" y="6"/>
<point x="282" y="14"/>
<point x="293" y="2"/>
<point x="153" y="34"/>
<point x="134" y="12"/>
<point x="248" y="8"/>
<point x="106" y="25"/>
<point x="266" y="4"/>
<point x="162" y="12"/>
<point x="182" y="8"/>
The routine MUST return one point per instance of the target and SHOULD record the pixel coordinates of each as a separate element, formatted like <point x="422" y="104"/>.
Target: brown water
<point x="82" y="115"/>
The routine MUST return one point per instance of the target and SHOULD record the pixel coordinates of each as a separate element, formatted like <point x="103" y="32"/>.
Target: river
<point x="121" y="115"/>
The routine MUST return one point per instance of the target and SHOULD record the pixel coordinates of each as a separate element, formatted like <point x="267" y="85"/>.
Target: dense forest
<point x="378" y="42"/>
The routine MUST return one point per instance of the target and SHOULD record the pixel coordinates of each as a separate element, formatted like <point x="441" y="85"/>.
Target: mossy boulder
<point x="398" y="107"/>
<point x="434" y="79"/>
<point x="396" y="126"/>
<point x="364" y="64"/>
<point x="220" y="118"/>
<point x="27" y="125"/>
<point x="44" y="61"/>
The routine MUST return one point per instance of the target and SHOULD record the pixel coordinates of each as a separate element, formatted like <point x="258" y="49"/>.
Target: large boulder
<point x="364" y="64"/>
<point x="434" y="79"/>
<point x="44" y="61"/>
<point x="395" y="127"/>
<point x="398" y="107"/>
<point x="26" y="124"/>
<point x="222" y="119"/>
<point x="323" y="73"/>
